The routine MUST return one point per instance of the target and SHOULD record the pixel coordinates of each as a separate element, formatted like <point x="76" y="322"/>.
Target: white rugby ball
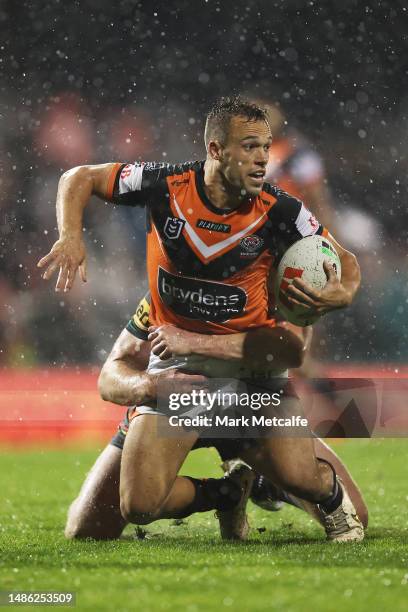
<point x="304" y="260"/>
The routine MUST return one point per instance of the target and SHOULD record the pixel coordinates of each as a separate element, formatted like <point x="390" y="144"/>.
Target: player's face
<point x="245" y="155"/>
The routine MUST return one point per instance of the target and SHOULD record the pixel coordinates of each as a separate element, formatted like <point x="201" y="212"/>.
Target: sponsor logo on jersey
<point x="224" y="228"/>
<point x="250" y="246"/>
<point x="126" y="172"/>
<point x="194" y="298"/>
<point x="172" y="227"/>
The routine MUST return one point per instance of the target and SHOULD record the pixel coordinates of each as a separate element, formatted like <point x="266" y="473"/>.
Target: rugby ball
<point x="304" y="260"/>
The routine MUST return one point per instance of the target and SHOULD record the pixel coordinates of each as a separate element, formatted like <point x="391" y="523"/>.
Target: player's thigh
<point x="152" y="456"/>
<point x="96" y="510"/>
<point x="323" y="451"/>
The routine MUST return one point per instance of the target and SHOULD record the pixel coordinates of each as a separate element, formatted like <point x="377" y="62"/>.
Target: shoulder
<point x="282" y="201"/>
<point x="153" y="172"/>
<point x="139" y="176"/>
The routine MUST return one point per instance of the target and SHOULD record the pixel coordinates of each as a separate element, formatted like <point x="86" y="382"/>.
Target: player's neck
<point x="219" y="192"/>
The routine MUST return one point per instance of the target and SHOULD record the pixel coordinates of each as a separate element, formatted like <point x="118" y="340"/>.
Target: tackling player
<point x="95" y="513"/>
<point x="215" y="231"/>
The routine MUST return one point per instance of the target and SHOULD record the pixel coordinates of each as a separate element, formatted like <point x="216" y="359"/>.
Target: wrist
<point x="348" y="297"/>
<point x="146" y="389"/>
<point x="71" y="234"/>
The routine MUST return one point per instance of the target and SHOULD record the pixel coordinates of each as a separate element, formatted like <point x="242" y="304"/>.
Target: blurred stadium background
<point x="95" y="81"/>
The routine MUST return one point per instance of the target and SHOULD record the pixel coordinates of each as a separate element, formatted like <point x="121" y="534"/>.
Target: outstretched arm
<point x="75" y="189"/>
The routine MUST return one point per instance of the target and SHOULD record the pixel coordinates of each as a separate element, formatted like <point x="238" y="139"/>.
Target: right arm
<point x="123" y="379"/>
<point x="75" y="189"/>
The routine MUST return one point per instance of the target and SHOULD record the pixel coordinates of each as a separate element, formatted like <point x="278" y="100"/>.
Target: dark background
<point x="98" y="81"/>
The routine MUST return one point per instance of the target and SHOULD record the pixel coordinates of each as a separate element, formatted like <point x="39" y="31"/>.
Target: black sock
<point x="212" y="494"/>
<point x="334" y="500"/>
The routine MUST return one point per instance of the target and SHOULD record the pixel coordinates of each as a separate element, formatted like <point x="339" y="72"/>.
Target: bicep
<point x="103" y="179"/>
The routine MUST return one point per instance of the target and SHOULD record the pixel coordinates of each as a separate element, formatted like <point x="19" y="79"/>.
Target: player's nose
<point x="262" y="158"/>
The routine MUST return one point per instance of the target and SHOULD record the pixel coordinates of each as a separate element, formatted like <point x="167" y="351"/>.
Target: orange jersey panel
<point x="207" y="267"/>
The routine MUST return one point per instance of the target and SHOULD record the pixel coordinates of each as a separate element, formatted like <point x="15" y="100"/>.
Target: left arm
<point x="336" y="294"/>
<point x="280" y="347"/>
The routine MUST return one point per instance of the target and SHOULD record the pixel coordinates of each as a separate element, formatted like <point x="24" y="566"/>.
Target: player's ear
<point x="214" y="150"/>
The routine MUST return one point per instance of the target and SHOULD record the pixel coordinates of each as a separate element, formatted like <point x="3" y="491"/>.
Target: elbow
<point x="351" y="266"/>
<point x="297" y="354"/>
<point x="357" y="271"/>
<point x="79" y="173"/>
<point x="103" y="386"/>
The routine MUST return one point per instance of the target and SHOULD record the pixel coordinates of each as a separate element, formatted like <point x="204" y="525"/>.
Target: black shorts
<point x="228" y="448"/>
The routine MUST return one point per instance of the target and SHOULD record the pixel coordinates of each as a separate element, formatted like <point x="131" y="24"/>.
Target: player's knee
<point x="76" y="529"/>
<point x="84" y="522"/>
<point x="139" y="511"/>
<point x="72" y="526"/>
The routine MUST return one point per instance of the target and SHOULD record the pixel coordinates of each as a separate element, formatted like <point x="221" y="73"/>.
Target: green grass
<point x="288" y="566"/>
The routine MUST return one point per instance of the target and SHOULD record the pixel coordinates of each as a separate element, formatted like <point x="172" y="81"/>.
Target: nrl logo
<point x="172" y="227"/>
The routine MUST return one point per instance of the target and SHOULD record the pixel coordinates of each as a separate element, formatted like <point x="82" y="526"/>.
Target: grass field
<point x="285" y="565"/>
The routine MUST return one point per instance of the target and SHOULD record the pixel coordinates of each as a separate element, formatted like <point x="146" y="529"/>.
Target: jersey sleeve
<point x="134" y="184"/>
<point x="292" y="221"/>
<point x="139" y="324"/>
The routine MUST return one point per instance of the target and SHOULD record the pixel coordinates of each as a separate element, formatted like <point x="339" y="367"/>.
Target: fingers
<point x="53" y="267"/>
<point x="197" y="379"/>
<point x="161" y="350"/>
<point x="46" y="259"/>
<point x="152" y="334"/>
<point x="295" y="295"/>
<point x="67" y="254"/>
<point x="83" y="272"/>
<point x="330" y="271"/>
<point x="296" y="302"/>
<point x="52" y="261"/>
<point x="62" y="278"/>
<point x="300" y="284"/>
<point x="70" y="279"/>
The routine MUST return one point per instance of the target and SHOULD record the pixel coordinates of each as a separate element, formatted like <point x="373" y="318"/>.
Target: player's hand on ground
<point x="67" y="256"/>
<point x="168" y="340"/>
<point x="331" y="297"/>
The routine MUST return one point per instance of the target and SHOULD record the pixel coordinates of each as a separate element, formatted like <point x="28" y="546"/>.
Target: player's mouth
<point x="258" y="176"/>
